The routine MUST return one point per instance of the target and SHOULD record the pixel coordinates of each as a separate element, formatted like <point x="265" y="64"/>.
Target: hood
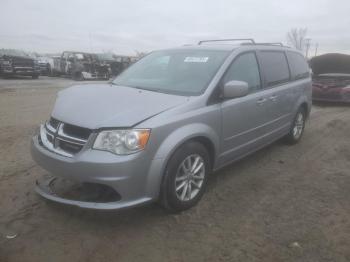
<point x="97" y="106"/>
<point x="330" y="63"/>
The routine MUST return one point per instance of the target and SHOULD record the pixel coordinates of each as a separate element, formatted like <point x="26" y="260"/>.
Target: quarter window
<point x="245" y="68"/>
<point x="275" y="67"/>
<point x="298" y="65"/>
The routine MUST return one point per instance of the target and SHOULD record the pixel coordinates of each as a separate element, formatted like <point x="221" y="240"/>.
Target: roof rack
<point x="251" y="41"/>
<point x="274" y="44"/>
<point x="227" y="40"/>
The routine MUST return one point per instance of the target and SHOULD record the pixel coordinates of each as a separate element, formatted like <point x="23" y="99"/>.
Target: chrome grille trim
<point x="64" y="135"/>
<point x="50" y="127"/>
<point x="70" y="141"/>
<point x="50" y="146"/>
<point x="51" y="137"/>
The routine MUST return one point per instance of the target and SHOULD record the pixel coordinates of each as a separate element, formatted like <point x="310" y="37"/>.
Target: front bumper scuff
<point x="134" y="177"/>
<point x="43" y="188"/>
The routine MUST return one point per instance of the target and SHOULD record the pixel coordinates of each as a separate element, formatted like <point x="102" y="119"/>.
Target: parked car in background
<point x="15" y="65"/>
<point x="46" y="64"/>
<point x="169" y="120"/>
<point x="116" y="63"/>
<point x="331" y="78"/>
<point x="80" y="66"/>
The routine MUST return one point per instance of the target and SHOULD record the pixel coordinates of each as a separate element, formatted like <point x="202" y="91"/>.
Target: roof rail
<point x="274" y="44"/>
<point x="227" y="40"/>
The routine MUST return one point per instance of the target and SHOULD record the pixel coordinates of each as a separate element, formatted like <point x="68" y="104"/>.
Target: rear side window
<point x="275" y="67"/>
<point x="244" y="68"/>
<point x="298" y="66"/>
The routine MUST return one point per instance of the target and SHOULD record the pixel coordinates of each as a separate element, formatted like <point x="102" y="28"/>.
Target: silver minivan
<point x="160" y="128"/>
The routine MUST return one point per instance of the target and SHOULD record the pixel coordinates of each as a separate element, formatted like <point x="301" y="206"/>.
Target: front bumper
<point x="24" y="71"/>
<point x="136" y="178"/>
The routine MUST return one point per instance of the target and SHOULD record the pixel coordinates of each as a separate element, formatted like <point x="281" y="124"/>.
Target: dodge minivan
<point x="158" y="130"/>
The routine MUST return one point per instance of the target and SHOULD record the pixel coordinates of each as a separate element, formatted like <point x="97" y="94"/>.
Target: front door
<point x="243" y="119"/>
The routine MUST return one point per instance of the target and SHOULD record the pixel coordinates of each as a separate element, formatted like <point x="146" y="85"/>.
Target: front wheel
<point x="297" y="128"/>
<point x="185" y="177"/>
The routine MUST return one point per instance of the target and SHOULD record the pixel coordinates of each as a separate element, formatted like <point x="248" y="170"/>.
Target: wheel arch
<point x="304" y="106"/>
<point x="198" y="132"/>
<point x="304" y="103"/>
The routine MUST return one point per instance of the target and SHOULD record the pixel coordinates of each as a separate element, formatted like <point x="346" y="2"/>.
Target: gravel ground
<point x="283" y="203"/>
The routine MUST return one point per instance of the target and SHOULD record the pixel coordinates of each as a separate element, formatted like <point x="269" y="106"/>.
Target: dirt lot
<point x="281" y="204"/>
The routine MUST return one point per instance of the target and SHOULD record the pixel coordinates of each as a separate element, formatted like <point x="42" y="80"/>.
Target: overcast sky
<point x="129" y="25"/>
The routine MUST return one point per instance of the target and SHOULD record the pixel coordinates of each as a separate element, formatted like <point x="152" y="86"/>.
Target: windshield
<point x="182" y="72"/>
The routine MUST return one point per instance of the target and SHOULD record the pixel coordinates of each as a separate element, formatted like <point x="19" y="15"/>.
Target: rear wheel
<point x="108" y="76"/>
<point x="185" y="177"/>
<point x="78" y="76"/>
<point x="49" y="70"/>
<point x="297" y="128"/>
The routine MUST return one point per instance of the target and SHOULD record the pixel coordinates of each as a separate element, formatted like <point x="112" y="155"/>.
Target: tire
<point x="35" y="76"/>
<point x="108" y="76"/>
<point x="191" y="185"/>
<point x="78" y="76"/>
<point x="297" y="128"/>
<point x="49" y="71"/>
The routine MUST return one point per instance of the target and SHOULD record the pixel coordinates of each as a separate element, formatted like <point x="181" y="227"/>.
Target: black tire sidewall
<point x="169" y="198"/>
<point x="78" y="76"/>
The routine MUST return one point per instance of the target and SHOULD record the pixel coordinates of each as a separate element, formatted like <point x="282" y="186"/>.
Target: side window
<point x="244" y="68"/>
<point x="298" y="65"/>
<point x="275" y="67"/>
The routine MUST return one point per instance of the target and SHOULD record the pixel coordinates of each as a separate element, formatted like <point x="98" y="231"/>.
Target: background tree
<point x="139" y="54"/>
<point x="296" y="37"/>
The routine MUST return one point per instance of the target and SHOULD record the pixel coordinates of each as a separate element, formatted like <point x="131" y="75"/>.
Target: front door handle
<point x="273" y="98"/>
<point x="261" y="101"/>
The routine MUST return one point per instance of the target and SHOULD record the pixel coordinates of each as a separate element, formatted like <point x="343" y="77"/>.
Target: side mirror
<point x="235" y="88"/>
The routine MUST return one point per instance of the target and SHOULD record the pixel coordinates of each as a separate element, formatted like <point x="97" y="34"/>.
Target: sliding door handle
<point x="273" y="98"/>
<point x="261" y="101"/>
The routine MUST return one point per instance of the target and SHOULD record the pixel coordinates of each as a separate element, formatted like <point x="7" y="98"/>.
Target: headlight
<point x="122" y="142"/>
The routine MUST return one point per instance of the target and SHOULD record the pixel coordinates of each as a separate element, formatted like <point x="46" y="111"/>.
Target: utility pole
<point x="307" y="47"/>
<point x="316" y="49"/>
<point x="90" y="42"/>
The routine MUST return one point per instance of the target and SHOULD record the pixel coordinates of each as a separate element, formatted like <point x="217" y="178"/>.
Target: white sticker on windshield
<point x="193" y="59"/>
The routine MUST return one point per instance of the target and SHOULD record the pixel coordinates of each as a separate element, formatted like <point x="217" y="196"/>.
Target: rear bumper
<point x="331" y="100"/>
<point x="331" y="95"/>
<point x="134" y="177"/>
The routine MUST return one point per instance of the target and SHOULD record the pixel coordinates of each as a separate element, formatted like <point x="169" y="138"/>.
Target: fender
<point x="173" y="141"/>
<point x="183" y="134"/>
<point x="301" y="100"/>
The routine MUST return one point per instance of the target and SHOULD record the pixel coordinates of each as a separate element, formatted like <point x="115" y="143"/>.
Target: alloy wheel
<point x="298" y="126"/>
<point x="189" y="177"/>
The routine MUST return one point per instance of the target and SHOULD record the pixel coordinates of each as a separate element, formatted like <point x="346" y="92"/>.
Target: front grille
<point x="62" y="138"/>
<point x="22" y="63"/>
<point x="76" y="131"/>
<point x="54" y="122"/>
<point x="69" y="147"/>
